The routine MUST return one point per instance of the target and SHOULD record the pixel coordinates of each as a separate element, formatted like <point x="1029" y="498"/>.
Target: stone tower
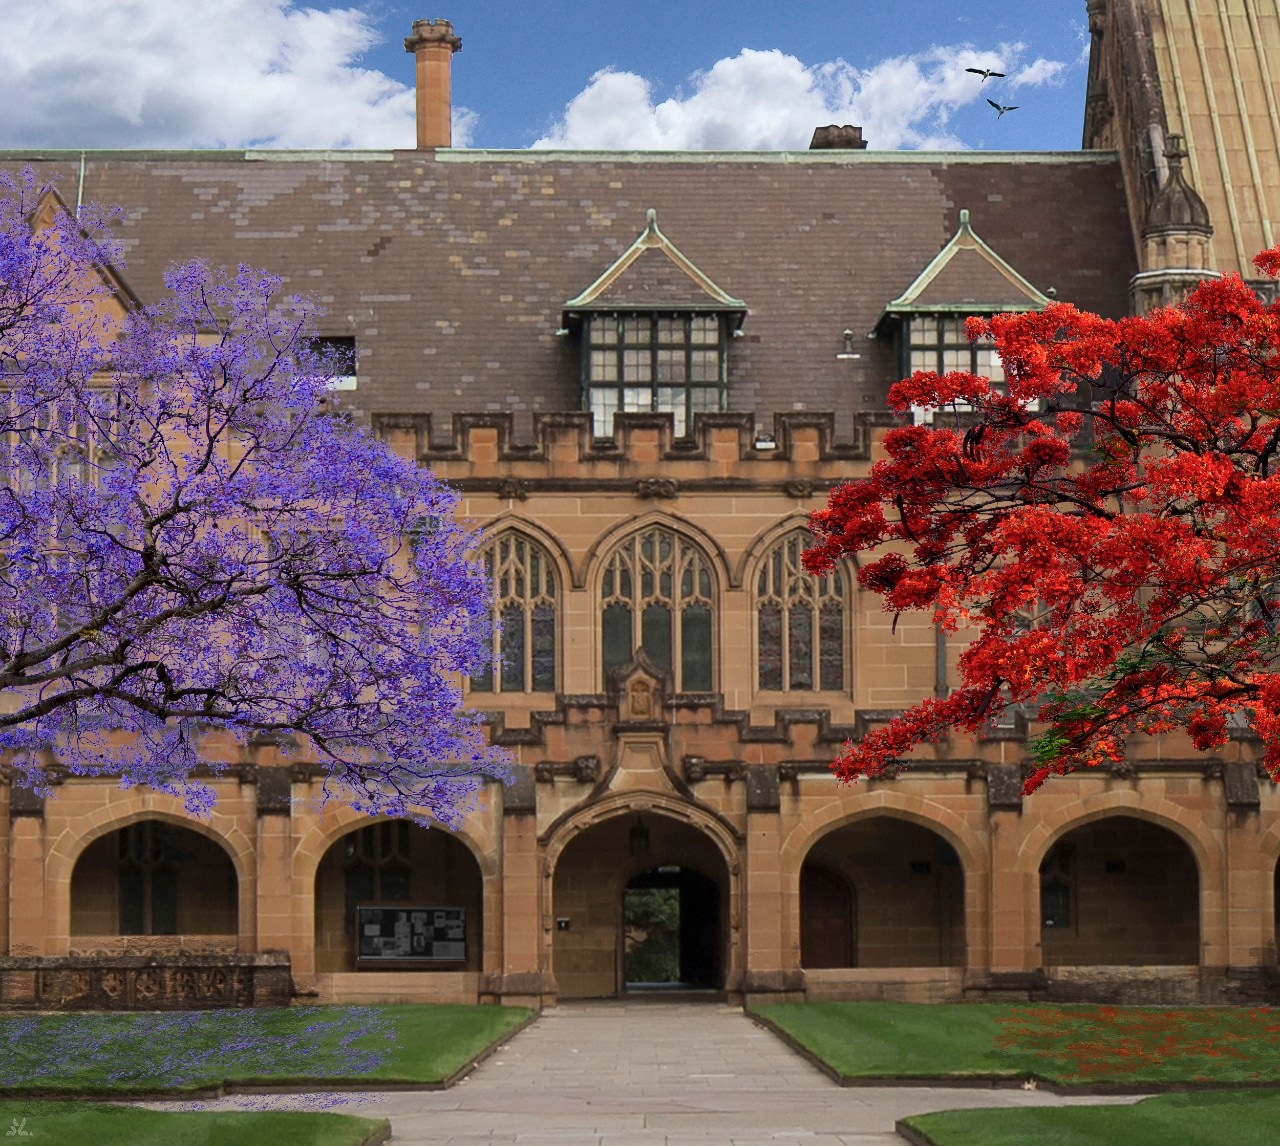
<point x="1207" y="73"/>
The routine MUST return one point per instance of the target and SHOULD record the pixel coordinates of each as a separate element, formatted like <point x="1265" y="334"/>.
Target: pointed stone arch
<point x="510" y="522"/>
<point x="802" y="625"/>
<point x="626" y="803"/>
<point x="1187" y="826"/>
<point x="79" y="833"/>
<point x="753" y="552"/>
<point x="586" y="954"/>
<point x="589" y="570"/>
<point x="970" y="846"/>
<point x="339" y="820"/>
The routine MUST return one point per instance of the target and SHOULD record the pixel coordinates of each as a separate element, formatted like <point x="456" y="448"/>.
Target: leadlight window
<point x="524" y="641"/>
<point x="656" y="595"/>
<point x="653" y="363"/>
<point x="1056" y="888"/>
<point x="148" y="878"/>
<point x="938" y="343"/>
<point x="800" y="622"/>
<point x="377" y="867"/>
<point x="301" y="645"/>
<point x="62" y="450"/>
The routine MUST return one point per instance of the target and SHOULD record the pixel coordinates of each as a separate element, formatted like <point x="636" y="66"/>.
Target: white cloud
<point x="225" y="73"/>
<point x="1085" y="40"/>
<point x="767" y="100"/>
<point x="1039" y="71"/>
<point x="462" y="126"/>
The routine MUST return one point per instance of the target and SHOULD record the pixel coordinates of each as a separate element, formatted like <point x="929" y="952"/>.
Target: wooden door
<point x="826" y="919"/>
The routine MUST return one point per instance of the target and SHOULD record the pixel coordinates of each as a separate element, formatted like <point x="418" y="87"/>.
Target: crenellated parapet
<point x="726" y="453"/>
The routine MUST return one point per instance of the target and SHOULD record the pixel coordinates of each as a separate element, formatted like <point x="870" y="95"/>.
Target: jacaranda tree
<point x="1124" y="493"/>
<point x="192" y="543"/>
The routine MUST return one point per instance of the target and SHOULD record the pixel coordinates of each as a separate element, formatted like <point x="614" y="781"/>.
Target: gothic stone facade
<point x="643" y="371"/>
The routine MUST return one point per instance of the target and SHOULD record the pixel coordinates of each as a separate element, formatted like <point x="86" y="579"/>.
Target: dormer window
<point x="965" y="279"/>
<point x="339" y="357"/>
<point x="938" y="342"/>
<point x="653" y="363"/>
<point x="654" y="332"/>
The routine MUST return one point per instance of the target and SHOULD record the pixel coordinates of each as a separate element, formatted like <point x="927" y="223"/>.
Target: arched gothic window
<point x="800" y="621"/>
<point x="524" y="646"/>
<point x="656" y="596"/>
<point x="377" y="867"/>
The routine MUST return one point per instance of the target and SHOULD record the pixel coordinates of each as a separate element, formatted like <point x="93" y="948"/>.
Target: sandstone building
<point x="643" y="370"/>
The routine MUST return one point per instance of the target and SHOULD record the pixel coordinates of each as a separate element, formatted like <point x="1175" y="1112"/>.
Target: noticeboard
<point x="435" y="933"/>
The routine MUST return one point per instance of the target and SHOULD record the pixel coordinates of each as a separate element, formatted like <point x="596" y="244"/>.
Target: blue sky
<point x="719" y="74"/>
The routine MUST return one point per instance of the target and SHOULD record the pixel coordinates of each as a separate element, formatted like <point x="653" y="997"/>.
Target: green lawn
<point x="177" y="1051"/>
<point x="57" y="1123"/>
<point x="1236" y="1118"/>
<point x="1128" y="1046"/>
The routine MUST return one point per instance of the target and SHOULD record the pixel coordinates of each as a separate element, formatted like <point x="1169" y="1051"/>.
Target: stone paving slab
<point x="650" y="1074"/>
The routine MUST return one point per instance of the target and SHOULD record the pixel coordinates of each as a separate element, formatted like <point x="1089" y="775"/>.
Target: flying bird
<point x="985" y="73"/>
<point x="1002" y="109"/>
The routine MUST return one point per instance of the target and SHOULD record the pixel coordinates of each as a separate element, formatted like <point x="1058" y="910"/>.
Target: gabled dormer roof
<point x="967" y="277"/>
<point x="652" y="274"/>
<point x="49" y="205"/>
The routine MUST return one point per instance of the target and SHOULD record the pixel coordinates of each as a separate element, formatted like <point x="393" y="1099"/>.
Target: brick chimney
<point x="433" y="44"/>
<point x="836" y="138"/>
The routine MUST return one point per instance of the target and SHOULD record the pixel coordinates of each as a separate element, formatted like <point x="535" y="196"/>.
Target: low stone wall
<point x="148" y="982"/>
<point x="1161" y="986"/>
<point x="885" y="984"/>
<point x="1172" y="986"/>
<point x="365" y="988"/>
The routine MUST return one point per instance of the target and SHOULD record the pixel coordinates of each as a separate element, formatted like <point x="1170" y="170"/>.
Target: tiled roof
<point x="452" y="268"/>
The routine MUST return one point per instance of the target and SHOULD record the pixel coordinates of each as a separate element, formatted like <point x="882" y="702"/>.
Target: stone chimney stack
<point x="835" y="137"/>
<point x="433" y="44"/>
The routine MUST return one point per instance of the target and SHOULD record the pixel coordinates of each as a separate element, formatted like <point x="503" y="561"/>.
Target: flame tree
<point x="1126" y="491"/>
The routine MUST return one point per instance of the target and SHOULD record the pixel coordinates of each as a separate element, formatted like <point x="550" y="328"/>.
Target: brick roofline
<point x="528" y="155"/>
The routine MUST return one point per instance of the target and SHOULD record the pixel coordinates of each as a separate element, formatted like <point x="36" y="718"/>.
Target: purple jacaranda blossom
<point x="194" y="539"/>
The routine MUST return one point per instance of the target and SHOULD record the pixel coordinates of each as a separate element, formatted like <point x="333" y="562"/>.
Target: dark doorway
<point x="671" y="931"/>
<point x="827" y="919"/>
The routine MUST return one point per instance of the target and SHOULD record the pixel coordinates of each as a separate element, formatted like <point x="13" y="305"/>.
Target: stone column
<point x="274" y="923"/>
<point x="522" y="981"/>
<point x="768" y="978"/>
<point x="1249" y="875"/>
<point x="28" y="901"/>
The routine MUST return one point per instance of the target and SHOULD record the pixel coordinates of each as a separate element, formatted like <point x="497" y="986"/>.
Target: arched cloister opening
<point x="430" y="884"/>
<point x="640" y="895"/>
<point x="882" y="892"/>
<point x="153" y="877"/>
<point x="1119" y="891"/>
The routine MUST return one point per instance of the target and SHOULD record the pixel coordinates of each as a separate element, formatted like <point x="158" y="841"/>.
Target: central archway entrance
<point x="671" y="932"/>
<point x="640" y="902"/>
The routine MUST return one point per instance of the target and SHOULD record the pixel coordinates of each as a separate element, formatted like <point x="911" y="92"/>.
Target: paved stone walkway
<point x="649" y="1074"/>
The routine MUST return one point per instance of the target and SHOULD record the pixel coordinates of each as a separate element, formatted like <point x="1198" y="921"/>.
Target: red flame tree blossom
<point x="1126" y="490"/>
<point x="189" y="545"/>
